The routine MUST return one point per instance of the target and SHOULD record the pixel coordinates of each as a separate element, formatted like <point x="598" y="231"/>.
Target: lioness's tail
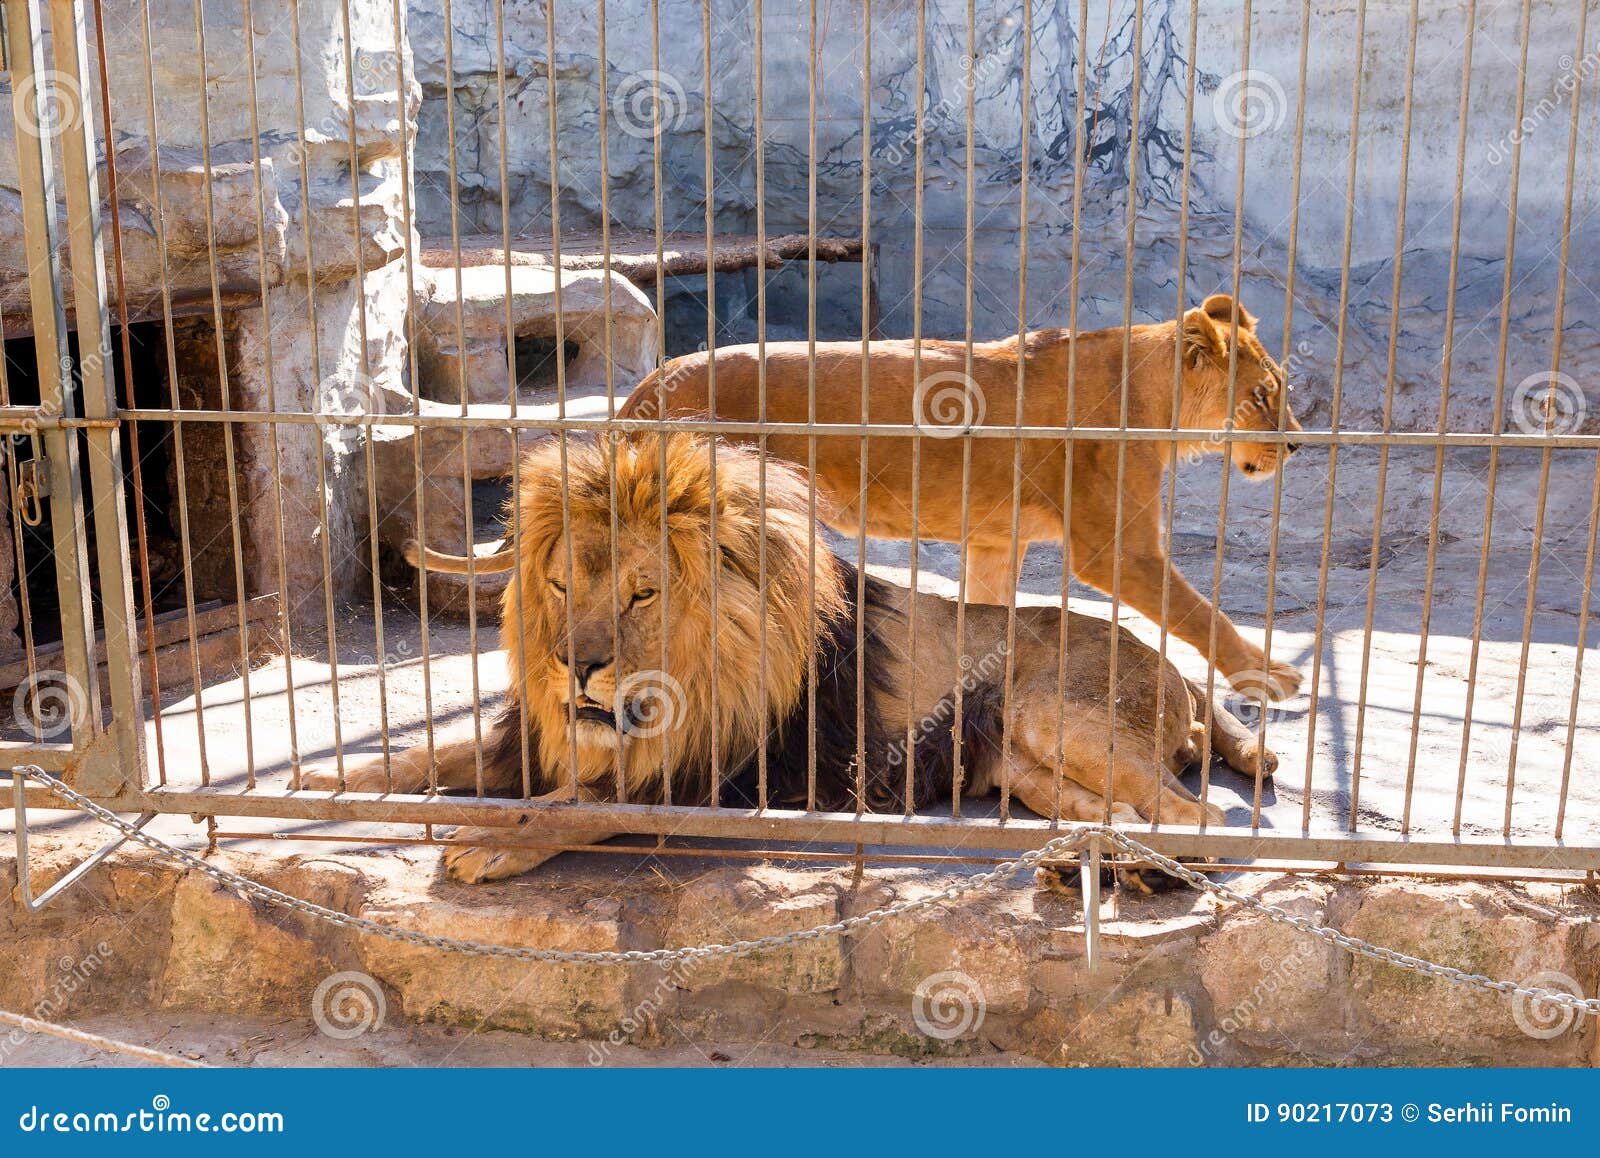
<point x="1231" y="738"/>
<point x="486" y="560"/>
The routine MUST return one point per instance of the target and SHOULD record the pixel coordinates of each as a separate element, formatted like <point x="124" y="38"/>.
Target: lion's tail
<point x="486" y="560"/>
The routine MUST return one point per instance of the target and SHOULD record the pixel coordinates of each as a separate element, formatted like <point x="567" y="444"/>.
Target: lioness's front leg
<point x="1190" y="616"/>
<point x="475" y="863"/>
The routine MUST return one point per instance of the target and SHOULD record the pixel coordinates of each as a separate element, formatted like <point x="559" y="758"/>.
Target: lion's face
<point x="605" y="653"/>
<point x="612" y="646"/>
<point x="1260" y="387"/>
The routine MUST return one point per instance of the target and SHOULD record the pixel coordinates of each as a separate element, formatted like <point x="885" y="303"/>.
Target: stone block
<point x="744" y="905"/>
<point x="553" y="1000"/>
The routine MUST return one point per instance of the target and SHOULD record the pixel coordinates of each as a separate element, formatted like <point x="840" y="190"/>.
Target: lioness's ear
<point x="1201" y="338"/>
<point x="1220" y="307"/>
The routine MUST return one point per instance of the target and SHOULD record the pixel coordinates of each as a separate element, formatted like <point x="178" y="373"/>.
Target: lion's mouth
<point x="594" y="713"/>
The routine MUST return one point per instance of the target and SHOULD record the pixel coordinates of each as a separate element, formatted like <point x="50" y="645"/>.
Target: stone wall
<point x="263" y="183"/>
<point x="998" y="974"/>
<point x="1121" y="162"/>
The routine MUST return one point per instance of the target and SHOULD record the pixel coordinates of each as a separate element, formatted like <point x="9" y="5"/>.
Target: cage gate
<point x="233" y="514"/>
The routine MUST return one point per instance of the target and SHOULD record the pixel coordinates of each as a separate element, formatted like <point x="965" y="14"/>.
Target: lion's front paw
<point x="325" y="778"/>
<point x="473" y="864"/>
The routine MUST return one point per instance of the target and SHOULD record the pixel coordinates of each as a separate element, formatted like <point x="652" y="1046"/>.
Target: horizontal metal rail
<point x="458" y="422"/>
<point x="967" y="832"/>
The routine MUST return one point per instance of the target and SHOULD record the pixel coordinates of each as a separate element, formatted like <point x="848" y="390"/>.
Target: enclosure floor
<point x="1330" y="750"/>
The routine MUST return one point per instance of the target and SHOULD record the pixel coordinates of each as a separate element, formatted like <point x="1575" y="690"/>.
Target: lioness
<point x="948" y="402"/>
<point x="583" y="631"/>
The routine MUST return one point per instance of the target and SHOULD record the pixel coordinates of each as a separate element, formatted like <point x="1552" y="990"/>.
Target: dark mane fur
<point x="787" y="753"/>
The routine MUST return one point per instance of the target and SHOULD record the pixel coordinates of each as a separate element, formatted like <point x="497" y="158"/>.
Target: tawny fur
<point x="599" y="601"/>
<point x="1197" y="346"/>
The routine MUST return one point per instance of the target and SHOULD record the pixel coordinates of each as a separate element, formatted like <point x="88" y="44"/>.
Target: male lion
<point x="948" y="401"/>
<point x="589" y="678"/>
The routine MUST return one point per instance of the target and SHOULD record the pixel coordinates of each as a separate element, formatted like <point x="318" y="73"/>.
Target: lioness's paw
<point x="1281" y="681"/>
<point x="1255" y="760"/>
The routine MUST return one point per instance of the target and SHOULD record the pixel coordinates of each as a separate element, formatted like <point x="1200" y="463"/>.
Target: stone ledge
<point x="1182" y="983"/>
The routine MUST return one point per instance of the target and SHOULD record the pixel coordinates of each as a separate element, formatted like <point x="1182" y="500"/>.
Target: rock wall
<point x="236" y="179"/>
<point x="996" y="976"/>
<point x="1121" y="162"/>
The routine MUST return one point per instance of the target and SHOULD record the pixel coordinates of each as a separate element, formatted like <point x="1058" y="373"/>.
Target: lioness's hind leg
<point x="1235" y="741"/>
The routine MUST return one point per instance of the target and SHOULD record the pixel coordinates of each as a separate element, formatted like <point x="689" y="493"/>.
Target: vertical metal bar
<point x="511" y="372"/>
<point x="114" y="206"/>
<point x="1290" y="270"/>
<point x="714" y="561"/>
<point x="1338" y="379"/>
<point x="908" y="803"/>
<point x="763" y="643"/>
<point x="226" y="431"/>
<point x="1182" y="278"/>
<point x="561" y="371"/>
<point x="665" y="560"/>
<point x="811" y="394"/>
<point x="380" y="652"/>
<point x="966" y="441"/>
<point x="1559" y="324"/>
<point x="1398" y="260"/>
<point x="1122" y="405"/>
<point x="1495" y="425"/>
<point x="70" y="41"/>
<point x="316" y="374"/>
<point x="179" y="456"/>
<point x="1230" y="421"/>
<point x="1445" y="366"/>
<point x="1089" y="868"/>
<point x="1017" y="546"/>
<point x="37" y="176"/>
<point x="1083" y="144"/>
<point x="275" y="456"/>
<point x="916" y="391"/>
<point x="462" y="389"/>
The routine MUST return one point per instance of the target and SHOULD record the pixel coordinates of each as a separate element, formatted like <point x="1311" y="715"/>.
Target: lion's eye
<point x="557" y="588"/>
<point x="642" y="596"/>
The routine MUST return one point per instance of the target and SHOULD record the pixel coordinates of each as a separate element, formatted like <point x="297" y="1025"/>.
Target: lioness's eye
<point x="642" y="596"/>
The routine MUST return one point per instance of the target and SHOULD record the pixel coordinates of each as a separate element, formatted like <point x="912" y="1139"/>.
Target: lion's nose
<point x="584" y="666"/>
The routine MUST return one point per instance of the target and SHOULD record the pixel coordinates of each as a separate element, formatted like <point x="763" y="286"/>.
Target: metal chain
<point x="95" y="1041"/>
<point x="1061" y="846"/>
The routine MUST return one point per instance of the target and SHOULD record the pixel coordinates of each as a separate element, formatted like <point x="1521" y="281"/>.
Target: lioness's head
<point x="1260" y="392"/>
<point x="617" y="621"/>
